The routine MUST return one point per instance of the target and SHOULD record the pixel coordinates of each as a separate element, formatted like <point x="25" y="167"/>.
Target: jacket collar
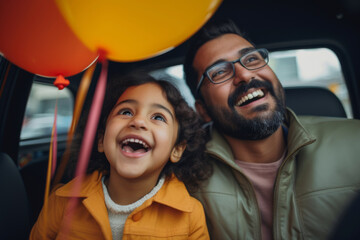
<point x="90" y="184"/>
<point x="173" y="193"/>
<point x="92" y="196"/>
<point x="297" y="138"/>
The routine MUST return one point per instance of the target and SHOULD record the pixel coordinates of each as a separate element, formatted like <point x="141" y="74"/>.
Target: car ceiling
<point x="282" y="24"/>
<point x="286" y="24"/>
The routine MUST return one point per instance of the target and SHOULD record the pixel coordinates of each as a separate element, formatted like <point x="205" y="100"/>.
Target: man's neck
<point x="266" y="150"/>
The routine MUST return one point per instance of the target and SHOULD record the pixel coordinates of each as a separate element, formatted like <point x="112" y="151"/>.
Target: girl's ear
<point x="177" y="152"/>
<point x="200" y="108"/>
<point x="100" y="143"/>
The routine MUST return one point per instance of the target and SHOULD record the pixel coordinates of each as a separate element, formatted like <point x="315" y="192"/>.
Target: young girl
<point x="149" y="143"/>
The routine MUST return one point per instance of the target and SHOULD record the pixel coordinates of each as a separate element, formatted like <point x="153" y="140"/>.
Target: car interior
<point x="298" y="34"/>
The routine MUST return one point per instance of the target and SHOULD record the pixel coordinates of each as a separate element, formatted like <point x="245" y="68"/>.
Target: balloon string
<point x="86" y="145"/>
<point x="79" y="102"/>
<point x="93" y="119"/>
<point x="54" y="142"/>
<point x="5" y="78"/>
<point x="51" y="167"/>
<point x="80" y="98"/>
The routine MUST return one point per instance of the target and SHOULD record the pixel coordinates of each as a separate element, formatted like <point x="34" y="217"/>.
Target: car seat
<point x="34" y="176"/>
<point x="315" y="101"/>
<point x="14" y="206"/>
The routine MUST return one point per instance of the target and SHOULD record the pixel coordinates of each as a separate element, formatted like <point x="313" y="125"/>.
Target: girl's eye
<point x="125" y="112"/>
<point x="159" y="117"/>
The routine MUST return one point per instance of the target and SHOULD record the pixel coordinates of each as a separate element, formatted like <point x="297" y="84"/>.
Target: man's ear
<point x="177" y="152"/>
<point x="200" y="108"/>
<point x="101" y="143"/>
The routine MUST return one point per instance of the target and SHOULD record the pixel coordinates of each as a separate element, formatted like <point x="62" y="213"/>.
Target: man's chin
<point x="259" y="125"/>
<point x="261" y="111"/>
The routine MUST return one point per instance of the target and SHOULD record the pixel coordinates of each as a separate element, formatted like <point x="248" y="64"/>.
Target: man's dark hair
<point x="209" y="32"/>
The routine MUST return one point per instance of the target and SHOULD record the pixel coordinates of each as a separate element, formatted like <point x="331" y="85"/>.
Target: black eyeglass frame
<point x="206" y="73"/>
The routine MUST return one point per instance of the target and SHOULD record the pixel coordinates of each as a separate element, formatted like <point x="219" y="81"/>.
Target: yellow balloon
<point x="132" y="30"/>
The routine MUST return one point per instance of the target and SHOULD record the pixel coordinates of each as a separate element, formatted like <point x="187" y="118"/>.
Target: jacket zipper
<point x="252" y="192"/>
<point x="290" y="156"/>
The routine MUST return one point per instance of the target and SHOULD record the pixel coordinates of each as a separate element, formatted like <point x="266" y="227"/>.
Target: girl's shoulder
<point x="174" y="194"/>
<point x="86" y="185"/>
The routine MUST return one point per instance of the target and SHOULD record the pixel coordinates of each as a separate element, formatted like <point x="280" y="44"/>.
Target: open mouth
<point x="133" y="145"/>
<point x="250" y="97"/>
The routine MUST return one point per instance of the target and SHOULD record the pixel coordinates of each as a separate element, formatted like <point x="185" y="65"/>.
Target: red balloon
<point x="35" y="37"/>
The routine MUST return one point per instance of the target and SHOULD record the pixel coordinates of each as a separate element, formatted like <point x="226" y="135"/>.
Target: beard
<point x="233" y="124"/>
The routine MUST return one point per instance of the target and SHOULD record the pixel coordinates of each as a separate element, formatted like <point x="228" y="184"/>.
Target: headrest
<point x="314" y="101"/>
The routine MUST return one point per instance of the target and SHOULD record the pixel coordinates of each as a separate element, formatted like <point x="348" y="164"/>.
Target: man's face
<point x="250" y="106"/>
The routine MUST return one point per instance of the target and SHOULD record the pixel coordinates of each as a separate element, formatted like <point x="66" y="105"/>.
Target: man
<point x="276" y="175"/>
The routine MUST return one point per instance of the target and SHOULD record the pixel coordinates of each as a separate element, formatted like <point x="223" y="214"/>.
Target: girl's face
<point x="140" y="134"/>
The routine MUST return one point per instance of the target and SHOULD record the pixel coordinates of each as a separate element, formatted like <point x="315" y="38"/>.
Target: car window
<point x="39" y="118"/>
<point x="302" y="67"/>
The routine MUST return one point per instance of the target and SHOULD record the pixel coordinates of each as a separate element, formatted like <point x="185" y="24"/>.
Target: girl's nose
<point x="138" y="122"/>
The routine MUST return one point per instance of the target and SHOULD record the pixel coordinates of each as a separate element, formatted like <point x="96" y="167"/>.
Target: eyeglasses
<point x="223" y="71"/>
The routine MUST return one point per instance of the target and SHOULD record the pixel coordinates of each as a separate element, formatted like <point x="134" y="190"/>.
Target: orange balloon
<point x="131" y="30"/>
<point x="35" y="37"/>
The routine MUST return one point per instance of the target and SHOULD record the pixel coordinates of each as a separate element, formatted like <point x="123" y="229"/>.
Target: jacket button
<point x="137" y="216"/>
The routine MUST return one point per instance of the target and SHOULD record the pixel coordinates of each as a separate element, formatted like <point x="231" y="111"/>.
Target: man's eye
<point x="125" y="112"/>
<point x="218" y="73"/>
<point x="159" y="117"/>
<point x="252" y="58"/>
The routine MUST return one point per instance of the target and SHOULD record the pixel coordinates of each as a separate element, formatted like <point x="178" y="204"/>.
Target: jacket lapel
<point x="93" y="199"/>
<point x="95" y="204"/>
<point x="173" y="194"/>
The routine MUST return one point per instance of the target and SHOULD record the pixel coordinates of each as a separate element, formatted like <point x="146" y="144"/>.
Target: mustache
<point x="243" y="88"/>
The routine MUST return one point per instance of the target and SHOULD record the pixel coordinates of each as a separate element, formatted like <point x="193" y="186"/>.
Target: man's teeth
<point x="126" y="141"/>
<point x="257" y="93"/>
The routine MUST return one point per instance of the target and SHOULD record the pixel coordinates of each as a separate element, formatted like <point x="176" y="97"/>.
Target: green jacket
<point x="318" y="178"/>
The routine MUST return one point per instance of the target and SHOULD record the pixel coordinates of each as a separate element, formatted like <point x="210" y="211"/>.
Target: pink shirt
<point x="262" y="176"/>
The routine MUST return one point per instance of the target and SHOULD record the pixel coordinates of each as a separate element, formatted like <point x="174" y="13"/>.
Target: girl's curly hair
<point x="191" y="169"/>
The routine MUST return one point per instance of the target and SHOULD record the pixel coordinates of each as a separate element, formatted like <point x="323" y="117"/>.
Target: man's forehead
<point x="226" y="47"/>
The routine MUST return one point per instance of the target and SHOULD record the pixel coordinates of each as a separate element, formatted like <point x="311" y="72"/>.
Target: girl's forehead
<point x="141" y="91"/>
<point x="148" y="93"/>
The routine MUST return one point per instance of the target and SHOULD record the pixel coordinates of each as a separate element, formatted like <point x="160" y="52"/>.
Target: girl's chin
<point x="134" y="154"/>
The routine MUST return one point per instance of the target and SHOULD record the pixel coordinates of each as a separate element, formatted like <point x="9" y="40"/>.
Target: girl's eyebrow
<point x="154" y="105"/>
<point x="125" y="101"/>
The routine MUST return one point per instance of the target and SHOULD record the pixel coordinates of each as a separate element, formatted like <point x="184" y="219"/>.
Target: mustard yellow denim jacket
<point x="170" y="214"/>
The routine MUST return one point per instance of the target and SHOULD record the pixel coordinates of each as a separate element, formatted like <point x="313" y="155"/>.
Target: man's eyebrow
<point x="241" y="52"/>
<point x="157" y="105"/>
<point x="244" y="51"/>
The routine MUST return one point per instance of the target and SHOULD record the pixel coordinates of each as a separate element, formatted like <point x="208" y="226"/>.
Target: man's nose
<point x="242" y="74"/>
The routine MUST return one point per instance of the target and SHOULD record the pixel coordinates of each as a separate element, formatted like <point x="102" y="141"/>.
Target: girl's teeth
<point x="135" y="141"/>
